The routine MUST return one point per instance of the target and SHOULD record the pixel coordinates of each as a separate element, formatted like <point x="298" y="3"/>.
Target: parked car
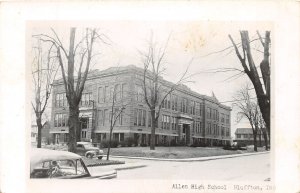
<point x="88" y="150"/>
<point x="45" y="163"/>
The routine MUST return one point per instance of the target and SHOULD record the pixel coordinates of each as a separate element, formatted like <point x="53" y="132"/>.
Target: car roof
<point x="39" y="155"/>
<point x="83" y="142"/>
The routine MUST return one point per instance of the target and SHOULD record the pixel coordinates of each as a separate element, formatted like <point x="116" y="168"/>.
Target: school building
<point x="186" y="116"/>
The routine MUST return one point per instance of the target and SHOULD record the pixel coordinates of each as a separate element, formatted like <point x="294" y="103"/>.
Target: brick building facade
<point x="185" y="116"/>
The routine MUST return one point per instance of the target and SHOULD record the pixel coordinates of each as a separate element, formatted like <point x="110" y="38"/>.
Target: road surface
<point x="254" y="167"/>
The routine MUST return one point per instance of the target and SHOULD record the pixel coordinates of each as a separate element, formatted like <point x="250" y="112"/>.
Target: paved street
<point x="254" y="167"/>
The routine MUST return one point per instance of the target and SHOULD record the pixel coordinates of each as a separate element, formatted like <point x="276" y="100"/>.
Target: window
<point x="86" y="99"/>
<point x="106" y="94"/>
<point x="184" y="105"/>
<point x="65" y="121"/>
<point x="168" y="102"/>
<point x="144" y="118"/>
<point x="100" y="118"/>
<point x="124" y="90"/>
<point x="173" y="123"/>
<point x="61" y="100"/>
<point x="139" y="93"/>
<point x="139" y="117"/>
<point x="192" y="107"/>
<point x="222" y="118"/>
<point x="83" y="134"/>
<point x="227" y="119"/>
<point x="84" y="122"/>
<point x="208" y="113"/>
<point x="117" y="92"/>
<point x="197" y="126"/>
<point x="105" y="117"/>
<point x="168" y="122"/>
<point x="60" y="120"/>
<point x="227" y="131"/>
<point x="201" y="108"/>
<point x="135" y="117"/>
<point x="111" y="93"/>
<point x="174" y="102"/>
<point x="121" y="136"/>
<point x="238" y="136"/>
<point x="197" y="108"/>
<point x="100" y="95"/>
<point x="165" y="122"/>
<point x="67" y="169"/>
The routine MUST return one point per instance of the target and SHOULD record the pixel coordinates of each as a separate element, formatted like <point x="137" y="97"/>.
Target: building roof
<point x="243" y="131"/>
<point x="121" y="69"/>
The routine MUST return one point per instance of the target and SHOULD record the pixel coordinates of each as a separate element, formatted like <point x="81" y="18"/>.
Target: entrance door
<point x="186" y="133"/>
<point x="84" y="125"/>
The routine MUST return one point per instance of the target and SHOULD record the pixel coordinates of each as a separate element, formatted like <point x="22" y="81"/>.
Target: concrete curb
<point x="194" y="159"/>
<point x="130" y="167"/>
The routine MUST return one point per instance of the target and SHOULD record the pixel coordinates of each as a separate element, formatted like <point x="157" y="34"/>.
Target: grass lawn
<point x="175" y="152"/>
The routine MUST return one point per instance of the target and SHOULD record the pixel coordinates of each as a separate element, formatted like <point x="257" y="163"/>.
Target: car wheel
<point x="88" y="155"/>
<point x="100" y="157"/>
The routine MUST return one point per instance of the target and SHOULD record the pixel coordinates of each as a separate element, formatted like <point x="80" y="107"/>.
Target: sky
<point x="197" y="44"/>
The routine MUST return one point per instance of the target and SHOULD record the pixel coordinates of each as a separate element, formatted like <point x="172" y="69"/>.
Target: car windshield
<point x="59" y="169"/>
<point x="88" y="145"/>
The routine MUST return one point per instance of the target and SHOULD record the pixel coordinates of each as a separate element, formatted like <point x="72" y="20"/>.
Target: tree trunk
<point x="74" y="127"/>
<point x="262" y="97"/>
<point x="109" y="143"/>
<point x="152" y="140"/>
<point x="39" y="126"/>
<point x="254" y="140"/>
<point x="260" y="138"/>
<point x="266" y="140"/>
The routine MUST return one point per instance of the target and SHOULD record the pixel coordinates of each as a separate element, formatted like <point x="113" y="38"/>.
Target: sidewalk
<point x="131" y="165"/>
<point x="193" y="159"/>
<point x="138" y="162"/>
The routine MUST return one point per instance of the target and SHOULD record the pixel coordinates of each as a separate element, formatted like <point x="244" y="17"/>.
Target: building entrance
<point x="84" y="125"/>
<point x="186" y="133"/>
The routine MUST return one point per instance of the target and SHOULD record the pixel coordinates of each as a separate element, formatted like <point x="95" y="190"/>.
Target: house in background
<point x="244" y="136"/>
<point x="46" y="137"/>
<point x="34" y="132"/>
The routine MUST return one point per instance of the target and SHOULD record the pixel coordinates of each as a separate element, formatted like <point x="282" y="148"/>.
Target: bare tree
<point x="44" y="69"/>
<point x="262" y="127"/>
<point x="77" y="57"/>
<point x="118" y="106"/>
<point x="249" y="109"/>
<point x="262" y="88"/>
<point x="154" y="89"/>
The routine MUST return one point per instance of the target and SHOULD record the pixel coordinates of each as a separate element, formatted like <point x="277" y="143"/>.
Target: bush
<point x="114" y="143"/>
<point x="195" y="143"/>
<point x="143" y="145"/>
<point x="181" y="142"/>
<point x="123" y="144"/>
<point x="173" y="142"/>
<point x="129" y="141"/>
<point x="104" y="144"/>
